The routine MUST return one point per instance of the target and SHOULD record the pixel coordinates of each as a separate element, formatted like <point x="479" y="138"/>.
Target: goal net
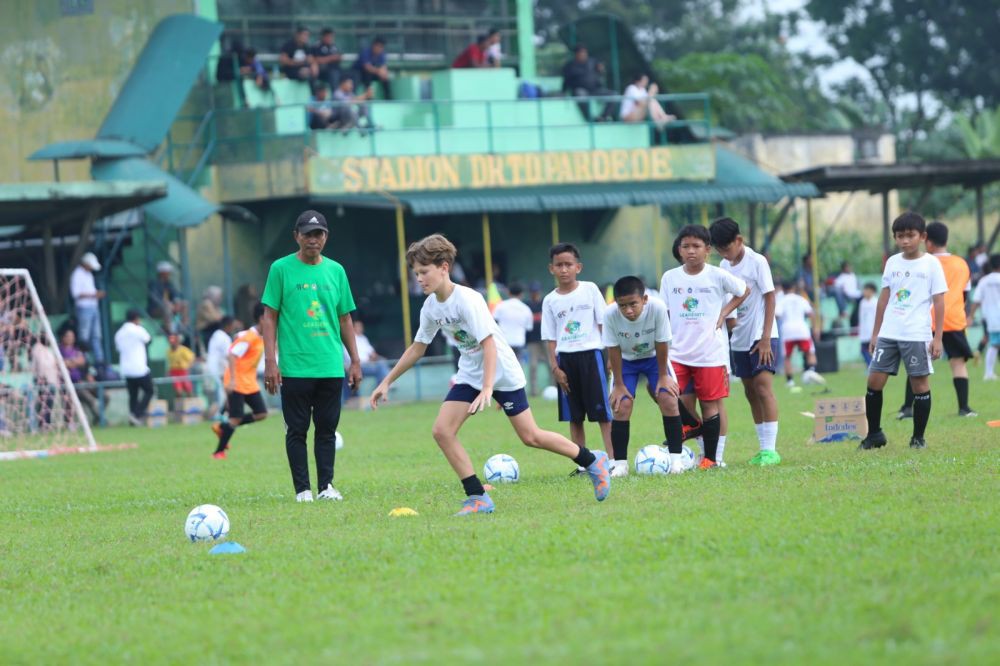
<point x="40" y="412"/>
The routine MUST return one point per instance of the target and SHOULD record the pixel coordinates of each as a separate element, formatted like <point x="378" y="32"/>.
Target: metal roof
<point x="73" y="150"/>
<point x="885" y="177"/>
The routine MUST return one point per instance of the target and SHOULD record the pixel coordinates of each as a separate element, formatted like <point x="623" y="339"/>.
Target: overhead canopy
<point x="93" y="148"/>
<point x="885" y="177"/>
<point x="737" y="179"/>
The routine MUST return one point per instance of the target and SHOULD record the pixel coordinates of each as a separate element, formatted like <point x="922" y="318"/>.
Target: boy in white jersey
<point x="754" y="341"/>
<point x="636" y="334"/>
<point x="796" y="315"/>
<point x="911" y="282"/>
<point x="866" y="318"/>
<point x="572" y="315"/>
<point x="487" y="369"/>
<point x="987" y="297"/>
<point x="696" y="294"/>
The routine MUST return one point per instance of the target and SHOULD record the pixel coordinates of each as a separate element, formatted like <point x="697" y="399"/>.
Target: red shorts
<point x="805" y="345"/>
<point x="709" y="383"/>
<point x="182" y="384"/>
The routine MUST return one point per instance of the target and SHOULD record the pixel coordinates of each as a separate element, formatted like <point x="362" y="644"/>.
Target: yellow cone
<point x="402" y="511"/>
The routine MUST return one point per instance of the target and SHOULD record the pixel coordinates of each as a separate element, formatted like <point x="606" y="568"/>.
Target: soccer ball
<point x="206" y="522"/>
<point x="652" y="459"/>
<point x="550" y="393"/>
<point x="339" y="441"/>
<point x="688" y="457"/>
<point x="501" y="468"/>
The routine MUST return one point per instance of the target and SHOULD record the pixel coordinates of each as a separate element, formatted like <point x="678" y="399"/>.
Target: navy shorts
<point x="746" y="364"/>
<point x="632" y="370"/>
<point x="512" y="402"/>
<point x="588" y="387"/>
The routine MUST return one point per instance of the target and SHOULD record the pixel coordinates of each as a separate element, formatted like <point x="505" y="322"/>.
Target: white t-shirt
<point x="81" y="281"/>
<point x="365" y="348"/>
<point x="988" y="296"/>
<point x="466" y="320"/>
<point x="131" y="340"/>
<point x="847" y="283"/>
<point x="694" y="303"/>
<point x="218" y="348"/>
<point x="515" y="320"/>
<point x="637" y="339"/>
<point x="912" y="284"/>
<point x="794" y="310"/>
<point x="753" y="270"/>
<point x="866" y="318"/>
<point x="633" y="95"/>
<point x="573" y="320"/>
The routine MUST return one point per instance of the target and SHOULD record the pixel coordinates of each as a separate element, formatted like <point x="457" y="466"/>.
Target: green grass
<point x="836" y="556"/>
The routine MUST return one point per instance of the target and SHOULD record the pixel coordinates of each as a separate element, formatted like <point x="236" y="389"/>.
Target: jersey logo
<point x="902" y="295"/>
<point x="572" y="327"/>
<point x="315" y="310"/>
<point x="690" y="304"/>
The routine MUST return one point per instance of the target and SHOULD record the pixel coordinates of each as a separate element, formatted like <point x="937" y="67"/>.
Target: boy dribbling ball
<point x="487" y="369"/>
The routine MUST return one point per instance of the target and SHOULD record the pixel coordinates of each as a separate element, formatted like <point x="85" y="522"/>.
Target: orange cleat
<point x="706" y="464"/>
<point x="219" y="455"/>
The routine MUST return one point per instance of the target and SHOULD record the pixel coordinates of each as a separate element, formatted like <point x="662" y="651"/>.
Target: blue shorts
<point x="746" y="364"/>
<point x="632" y="370"/>
<point x="512" y="402"/>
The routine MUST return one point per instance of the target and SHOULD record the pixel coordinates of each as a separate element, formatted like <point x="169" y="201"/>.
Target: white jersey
<point x="866" y="318"/>
<point x="465" y="319"/>
<point x="218" y="348"/>
<point x="794" y="310"/>
<point x="754" y="270"/>
<point x="637" y="339"/>
<point x="988" y="296"/>
<point x="694" y="303"/>
<point x="573" y="320"/>
<point x="131" y="340"/>
<point x="515" y="320"/>
<point x="912" y="285"/>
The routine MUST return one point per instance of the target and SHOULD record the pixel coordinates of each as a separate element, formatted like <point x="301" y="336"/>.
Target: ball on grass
<point x="206" y="522"/>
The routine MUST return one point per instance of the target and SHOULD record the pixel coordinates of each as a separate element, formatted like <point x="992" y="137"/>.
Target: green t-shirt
<point x="309" y="300"/>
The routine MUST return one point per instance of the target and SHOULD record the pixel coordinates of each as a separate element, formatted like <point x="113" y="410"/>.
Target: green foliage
<point x="981" y="138"/>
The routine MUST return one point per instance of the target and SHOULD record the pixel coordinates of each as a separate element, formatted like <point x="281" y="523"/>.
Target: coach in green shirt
<point x="306" y="326"/>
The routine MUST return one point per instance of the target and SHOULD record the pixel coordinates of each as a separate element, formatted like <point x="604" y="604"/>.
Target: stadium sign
<point x="407" y="173"/>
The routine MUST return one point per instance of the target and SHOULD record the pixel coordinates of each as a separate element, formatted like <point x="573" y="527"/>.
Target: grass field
<point x="836" y="556"/>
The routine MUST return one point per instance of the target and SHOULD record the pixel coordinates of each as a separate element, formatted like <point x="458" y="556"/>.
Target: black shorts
<point x="255" y="401"/>
<point x="956" y="345"/>
<point x="588" y="387"/>
<point x="512" y="402"/>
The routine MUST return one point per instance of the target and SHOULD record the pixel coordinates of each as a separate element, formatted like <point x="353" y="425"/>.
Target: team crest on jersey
<point x="572" y="327"/>
<point x="903" y="295"/>
<point x="642" y="348"/>
<point x="315" y="310"/>
<point x="463" y="338"/>
<point x="690" y="304"/>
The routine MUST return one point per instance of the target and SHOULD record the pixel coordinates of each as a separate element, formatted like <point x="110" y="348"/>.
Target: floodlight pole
<point x="404" y="274"/>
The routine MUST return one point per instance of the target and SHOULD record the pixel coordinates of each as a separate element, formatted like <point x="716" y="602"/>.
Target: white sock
<point x="721" y="449"/>
<point x="769" y="441"/>
<point x="674" y="457"/>
<point x="759" y="427"/>
<point x="991" y="360"/>
<point x="701" y="446"/>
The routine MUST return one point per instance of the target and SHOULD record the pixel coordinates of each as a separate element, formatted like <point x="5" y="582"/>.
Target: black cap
<point x="310" y="220"/>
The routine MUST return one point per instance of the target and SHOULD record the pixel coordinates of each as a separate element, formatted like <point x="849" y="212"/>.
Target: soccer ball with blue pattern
<point x="688" y="457"/>
<point x="206" y="522"/>
<point x="501" y="468"/>
<point x="652" y="459"/>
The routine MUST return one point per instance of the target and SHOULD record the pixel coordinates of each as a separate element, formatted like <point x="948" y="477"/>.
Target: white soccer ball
<point x="688" y="457"/>
<point x="339" y="441"/>
<point x="550" y="393"/>
<point x="501" y="468"/>
<point x="206" y="522"/>
<point x="652" y="459"/>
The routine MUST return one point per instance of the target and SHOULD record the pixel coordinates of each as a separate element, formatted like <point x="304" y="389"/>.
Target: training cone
<point x="402" y="511"/>
<point x="493" y="298"/>
<point x="227" y="547"/>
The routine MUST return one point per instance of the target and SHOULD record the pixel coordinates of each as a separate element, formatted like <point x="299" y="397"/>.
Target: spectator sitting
<point x="474" y="55"/>
<point x="582" y="78"/>
<point x="294" y="57"/>
<point x="45" y="371"/>
<point x="209" y="312"/>
<point x="327" y="56"/>
<point x="86" y="297"/>
<point x="165" y="302"/>
<point x="371" y="66"/>
<point x="77" y="366"/>
<point x="494" y="53"/>
<point x="640" y="103"/>
<point x="179" y="362"/>
<point x="229" y="61"/>
<point x="320" y="110"/>
<point x="351" y="110"/>
<point x="252" y="68"/>
<point x="372" y="365"/>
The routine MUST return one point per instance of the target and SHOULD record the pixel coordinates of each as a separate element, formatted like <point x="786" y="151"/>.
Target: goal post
<point x="40" y="411"/>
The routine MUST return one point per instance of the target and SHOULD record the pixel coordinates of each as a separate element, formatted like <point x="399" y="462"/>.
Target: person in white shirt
<point x="372" y="364"/>
<point x="86" y="301"/>
<point x="636" y="333"/>
<point x="754" y="340"/>
<point x="987" y="297"/>
<point x="796" y="331"/>
<point x="487" y="370"/>
<point x="695" y="294"/>
<point x="131" y="340"/>
<point x="216" y="361"/>
<point x="572" y="315"/>
<point x="866" y="318"/>
<point x="515" y="319"/>
<point x="639" y="103"/>
<point x="912" y="281"/>
<point x="845" y="290"/>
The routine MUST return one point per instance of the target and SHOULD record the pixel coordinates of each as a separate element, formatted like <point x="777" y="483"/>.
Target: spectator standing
<point x="327" y="56"/>
<point x="209" y="312"/>
<point x="164" y="301"/>
<point x="845" y="290"/>
<point x="582" y="78"/>
<point x="866" y="318"/>
<point x="131" y="340"/>
<point x="804" y="276"/>
<point x="216" y="361"/>
<point x="179" y="361"/>
<point x="86" y="299"/>
<point x="372" y="68"/>
<point x="515" y="319"/>
<point x="537" y="354"/>
<point x="640" y="103"/>
<point x="294" y="57"/>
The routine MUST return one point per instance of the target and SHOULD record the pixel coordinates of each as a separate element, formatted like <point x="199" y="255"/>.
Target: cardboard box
<point x="190" y="410"/>
<point x="156" y="416"/>
<point x="839" y="419"/>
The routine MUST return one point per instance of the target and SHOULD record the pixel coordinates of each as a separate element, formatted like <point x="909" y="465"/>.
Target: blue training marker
<point x="227" y="547"/>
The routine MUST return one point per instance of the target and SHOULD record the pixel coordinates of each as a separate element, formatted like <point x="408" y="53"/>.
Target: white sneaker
<point x="719" y="463"/>
<point x="790" y="383"/>
<point x="330" y="493"/>
<point x="619" y="468"/>
<point x="990" y="378"/>
<point x="304" y="496"/>
<point x="134" y="420"/>
<point x="677" y="467"/>
<point x="812" y="377"/>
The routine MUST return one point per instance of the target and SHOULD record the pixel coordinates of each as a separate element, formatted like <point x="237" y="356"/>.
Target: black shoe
<point x="968" y="412"/>
<point x="918" y="443"/>
<point x="875" y="440"/>
<point x="905" y="413"/>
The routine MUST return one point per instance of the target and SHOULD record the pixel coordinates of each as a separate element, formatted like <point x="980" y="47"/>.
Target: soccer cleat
<point x="874" y="440"/>
<point x="989" y="378"/>
<point x="812" y="377"/>
<point x="619" y="468"/>
<point x="790" y="383"/>
<point x="476" y="504"/>
<point x="579" y="471"/>
<point x="304" y="496"/>
<point x="918" y="443"/>
<point x="706" y="463"/>
<point x="219" y="455"/>
<point x="904" y="413"/>
<point x="331" y="493"/>
<point x="691" y="432"/>
<point x="765" y="458"/>
<point x="968" y="413"/>
<point x="677" y="467"/>
<point x="600" y="476"/>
